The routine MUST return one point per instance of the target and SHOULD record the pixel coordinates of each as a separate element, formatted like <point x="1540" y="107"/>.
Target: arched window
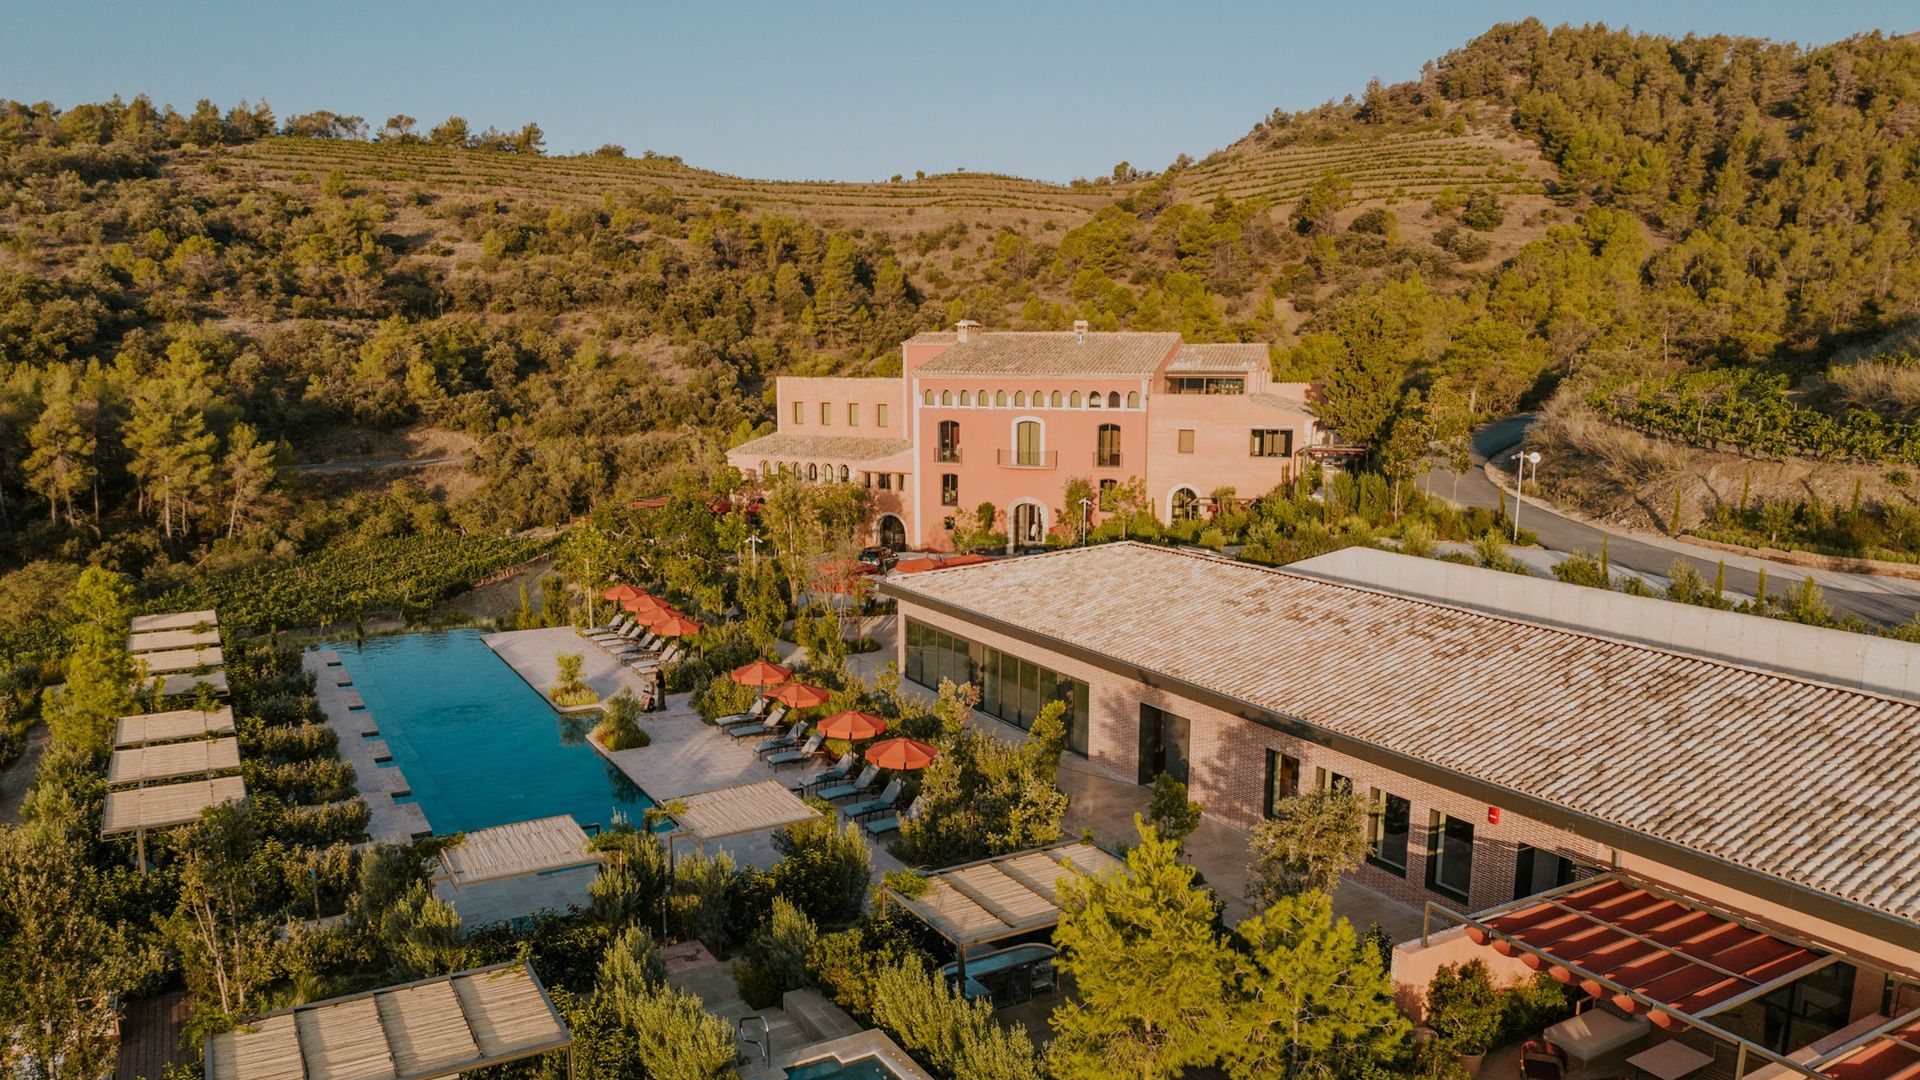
<point x="763" y="470"/>
<point x="1093" y="399"/>
<point x="1113" y="399"/>
<point x="813" y="471"/>
<point x="1026" y="442"/>
<point x="1185" y="505"/>
<point x="929" y="399"/>
<point x="966" y="398"/>
<point x="980" y="399"/>
<point x="946" y="397"/>
<point x="1000" y="398"/>
<point x="1133" y="399"/>
<point x="826" y="472"/>
<point x="1074" y="401"/>
<point x="949" y="440"/>
<point x="1056" y="399"/>
<point x="1019" y="399"/>
<point x="845" y="474"/>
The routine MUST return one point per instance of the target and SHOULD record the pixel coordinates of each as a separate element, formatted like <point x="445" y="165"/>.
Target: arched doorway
<point x="1029" y="525"/>
<point x="893" y="533"/>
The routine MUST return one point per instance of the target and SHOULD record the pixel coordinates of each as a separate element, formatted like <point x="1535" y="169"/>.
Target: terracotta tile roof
<point x="791" y="446"/>
<point x="1804" y="781"/>
<point x="1003" y="352"/>
<point x="1220" y="357"/>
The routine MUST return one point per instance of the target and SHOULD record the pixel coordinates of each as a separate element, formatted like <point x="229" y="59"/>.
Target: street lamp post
<point x="756" y="542"/>
<point x="1086" y="515"/>
<point x="1520" y="463"/>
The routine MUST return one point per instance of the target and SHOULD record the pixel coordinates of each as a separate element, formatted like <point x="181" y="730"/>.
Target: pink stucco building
<point x="1007" y="418"/>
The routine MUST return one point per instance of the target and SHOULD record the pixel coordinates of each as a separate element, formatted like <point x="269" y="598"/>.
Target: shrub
<point x="1464" y="1008"/>
<point x="619" y="727"/>
<point x="823" y="870"/>
<point x="775" y="960"/>
<point x="1170" y="811"/>
<point x="954" y="1036"/>
<point x="723" y="697"/>
<point x="1483" y="212"/>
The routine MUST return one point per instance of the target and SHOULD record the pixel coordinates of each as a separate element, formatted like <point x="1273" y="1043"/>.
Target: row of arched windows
<point x="1039" y="399"/>
<point x="813" y="471"/>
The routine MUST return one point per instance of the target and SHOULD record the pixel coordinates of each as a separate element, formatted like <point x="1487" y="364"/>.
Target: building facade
<point x="1499" y="757"/>
<point x="1005" y="419"/>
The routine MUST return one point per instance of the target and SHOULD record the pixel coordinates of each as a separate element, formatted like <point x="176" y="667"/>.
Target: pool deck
<point x="533" y="654"/>
<point x="379" y="783"/>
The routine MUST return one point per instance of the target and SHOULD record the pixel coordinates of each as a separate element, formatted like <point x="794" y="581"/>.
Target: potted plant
<point x="1463" y="1009"/>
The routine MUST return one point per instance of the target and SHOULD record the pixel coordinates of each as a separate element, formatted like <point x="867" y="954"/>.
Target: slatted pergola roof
<point x="742" y="808"/>
<point x="1002" y="897"/>
<point x="161" y="640"/>
<point x="143" y="729"/>
<point x="178" y="620"/>
<point x="164" y="805"/>
<point x="415" y="1031"/>
<point x="168" y="761"/>
<point x="520" y="849"/>
<point x="189" y="683"/>
<point x="168" y="661"/>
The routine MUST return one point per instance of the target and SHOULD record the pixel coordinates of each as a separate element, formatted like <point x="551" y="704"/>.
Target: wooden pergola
<point x="521" y="849"/>
<point x="163" y="806"/>
<point x="414" y="1031"/>
<point x="740" y="809"/>
<point x="145" y="729"/>
<point x="1002" y="897"/>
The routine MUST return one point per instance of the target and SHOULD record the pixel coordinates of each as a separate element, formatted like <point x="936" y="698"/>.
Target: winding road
<point x="1877" y="599"/>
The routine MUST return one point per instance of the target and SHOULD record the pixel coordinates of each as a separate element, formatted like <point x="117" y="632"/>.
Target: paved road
<point x="1879" y="599"/>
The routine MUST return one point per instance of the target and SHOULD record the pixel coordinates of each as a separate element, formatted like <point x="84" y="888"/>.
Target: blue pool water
<point x="480" y="747"/>
<point x="866" y="1068"/>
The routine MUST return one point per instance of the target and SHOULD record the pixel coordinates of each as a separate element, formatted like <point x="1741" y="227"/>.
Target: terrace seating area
<point x="645" y="635"/>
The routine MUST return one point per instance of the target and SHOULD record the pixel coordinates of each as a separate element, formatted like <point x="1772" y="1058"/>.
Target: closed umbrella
<point x="852" y="726"/>
<point x="760" y="673"/>
<point x="799" y="696"/>
<point x="901" y="754"/>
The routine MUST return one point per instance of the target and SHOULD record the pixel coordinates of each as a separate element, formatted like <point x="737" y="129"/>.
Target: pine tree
<point x="64" y="449"/>
<point x="99" y="672"/>
<point x="1313" y="999"/>
<point x="1151" y="973"/>
<point x="250" y="472"/>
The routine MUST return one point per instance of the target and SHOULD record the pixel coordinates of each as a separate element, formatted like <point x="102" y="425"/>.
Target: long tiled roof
<point x="1128" y="354"/>
<point x="1219" y="357"/>
<point x="787" y="445"/>
<point x="1800" y="780"/>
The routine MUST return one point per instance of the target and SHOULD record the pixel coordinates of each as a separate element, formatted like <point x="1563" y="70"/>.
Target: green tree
<point x="422" y="935"/>
<point x="1170" y="812"/>
<point x="250" y="468"/>
<point x="1311" y="840"/>
<point x="61" y="963"/>
<point x="824" y="869"/>
<point x="957" y="1037"/>
<point x="99" y="672"/>
<point x="63" y="461"/>
<point x="220" y="927"/>
<point x="1313" y="1000"/>
<point x="451" y="132"/>
<point x="1151" y="975"/>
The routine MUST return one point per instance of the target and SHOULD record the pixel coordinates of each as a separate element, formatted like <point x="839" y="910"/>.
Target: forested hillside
<point x="191" y="302"/>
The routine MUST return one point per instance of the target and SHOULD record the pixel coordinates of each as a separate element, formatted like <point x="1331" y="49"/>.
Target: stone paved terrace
<point x="378" y="782"/>
<point x="533" y="654"/>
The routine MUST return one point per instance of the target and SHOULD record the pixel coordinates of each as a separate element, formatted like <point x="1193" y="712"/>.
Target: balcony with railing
<point x="947" y="455"/>
<point x="1029" y="459"/>
<point x="1106" y="459"/>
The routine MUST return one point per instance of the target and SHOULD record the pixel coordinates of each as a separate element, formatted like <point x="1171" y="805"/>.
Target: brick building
<point x="1506" y="760"/>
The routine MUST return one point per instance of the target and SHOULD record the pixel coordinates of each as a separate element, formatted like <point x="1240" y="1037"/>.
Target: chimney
<point x="1080" y="331"/>
<point x="964" y="330"/>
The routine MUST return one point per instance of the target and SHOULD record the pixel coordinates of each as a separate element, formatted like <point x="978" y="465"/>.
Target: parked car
<point x="880" y="557"/>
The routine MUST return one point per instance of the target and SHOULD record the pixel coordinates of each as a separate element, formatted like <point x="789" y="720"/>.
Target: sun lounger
<point x="795" y="757"/>
<point x="619" y="623"/>
<point x="887" y="823"/>
<point x="765" y="727"/>
<point x="784" y="742"/>
<point x="835" y="773"/>
<point x="846" y="791"/>
<point x="754" y="714"/>
<point x="888" y="796"/>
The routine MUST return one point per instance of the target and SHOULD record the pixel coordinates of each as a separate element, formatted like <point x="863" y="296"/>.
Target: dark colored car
<point x="878" y="557"/>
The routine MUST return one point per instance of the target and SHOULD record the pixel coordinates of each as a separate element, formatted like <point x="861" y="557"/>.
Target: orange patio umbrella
<point x="852" y="726"/>
<point x="799" y="696"/>
<point x="622" y="591"/>
<point x="760" y="673"/>
<point x="640" y="603"/>
<point x="674" y="624"/>
<point x="901" y="754"/>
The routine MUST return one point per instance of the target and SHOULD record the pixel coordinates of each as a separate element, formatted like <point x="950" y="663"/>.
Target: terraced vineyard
<point x="1412" y="164"/>
<point x="1418" y="164"/>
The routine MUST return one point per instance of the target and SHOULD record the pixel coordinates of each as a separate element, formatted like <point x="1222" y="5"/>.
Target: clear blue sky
<point x="848" y="91"/>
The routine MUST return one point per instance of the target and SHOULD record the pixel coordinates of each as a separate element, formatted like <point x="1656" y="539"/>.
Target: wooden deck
<point x="150" y="1032"/>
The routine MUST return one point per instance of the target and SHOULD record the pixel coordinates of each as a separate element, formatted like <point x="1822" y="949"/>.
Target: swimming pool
<point x="480" y="747"/>
<point x="832" y="1068"/>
